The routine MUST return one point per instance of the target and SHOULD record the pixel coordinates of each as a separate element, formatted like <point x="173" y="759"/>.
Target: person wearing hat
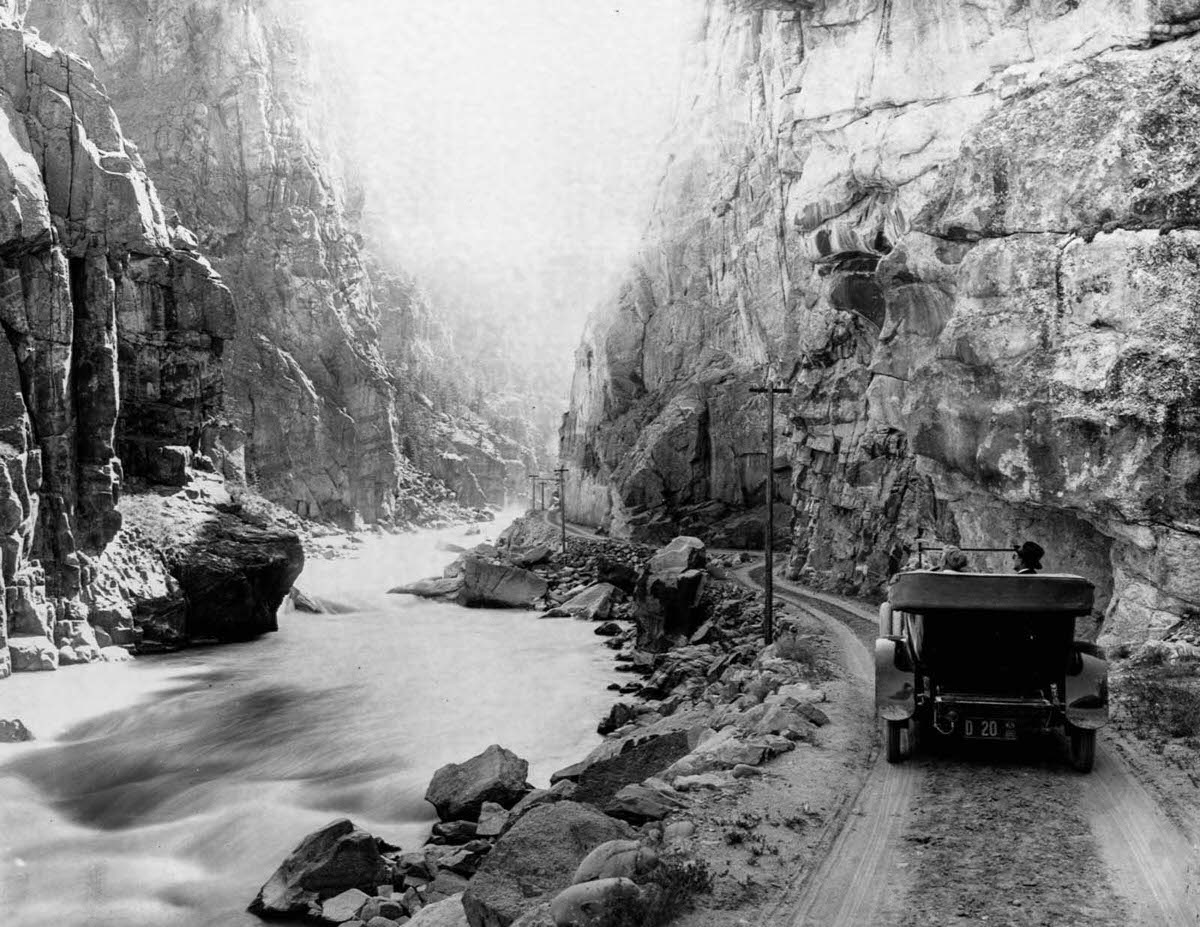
<point x="1028" y="557"/>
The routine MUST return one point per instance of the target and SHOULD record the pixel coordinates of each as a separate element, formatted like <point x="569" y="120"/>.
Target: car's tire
<point x="895" y="753"/>
<point x="1083" y="748"/>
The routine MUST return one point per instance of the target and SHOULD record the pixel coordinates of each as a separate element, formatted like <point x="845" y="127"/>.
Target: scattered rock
<point x="590" y="902"/>
<point x="532" y="556"/>
<point x="608" y="629"/>
<point x="635" y="759"/>
<point x="344" y="906"/>
<point x="14" y="732"/>
<point x="458" y="790"/>
<point x="446" y="913"/>
<point x="535" y="860"/>
<point x="618" y="716"/>
<point x="638" y="804"/>
<point x="303" y="602"/>
<point x="593" y="604"/>
<point x="492" y="818"/>
<point x="455" y="832"/>
<point x="327" y="862"/>
<point x="441" y="587"/>
<point x="381" y="907"/>
<point x="628" y="859"/>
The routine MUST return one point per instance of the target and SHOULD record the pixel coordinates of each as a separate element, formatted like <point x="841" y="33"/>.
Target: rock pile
<point x="710" y="707"/>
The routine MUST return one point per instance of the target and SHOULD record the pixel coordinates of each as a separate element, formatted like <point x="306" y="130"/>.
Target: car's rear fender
<point x="895" y="683"/>
<point x="1087" y="691"/>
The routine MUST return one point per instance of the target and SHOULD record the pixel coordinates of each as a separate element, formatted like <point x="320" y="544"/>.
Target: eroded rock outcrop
<point x="964" y="236"/>
<point x="113" y="330"/>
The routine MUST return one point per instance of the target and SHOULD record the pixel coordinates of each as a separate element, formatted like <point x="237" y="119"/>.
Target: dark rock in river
<point x="495" y="584"/>
<point x="234" y="577"/>
<point x="536" y="860"/>
<point x="435" y="587"/>
<point x="13" y="732"/>
<point x="327" y="862"/>
<point x="458" y="790"/>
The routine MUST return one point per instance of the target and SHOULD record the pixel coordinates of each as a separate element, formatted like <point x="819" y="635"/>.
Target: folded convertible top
<point x="1050" y="593"/>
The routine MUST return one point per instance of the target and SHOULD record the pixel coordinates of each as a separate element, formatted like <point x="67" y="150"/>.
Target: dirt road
<point x="993" y="834"/>
<point x="985" y="834"/>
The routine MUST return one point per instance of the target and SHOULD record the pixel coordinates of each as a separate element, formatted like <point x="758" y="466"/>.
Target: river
<point x="166" y="791"/>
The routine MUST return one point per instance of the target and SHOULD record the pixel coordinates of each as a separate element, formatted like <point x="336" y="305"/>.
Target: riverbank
<point x="711" y="727"/>
<point x="177" y="800"/>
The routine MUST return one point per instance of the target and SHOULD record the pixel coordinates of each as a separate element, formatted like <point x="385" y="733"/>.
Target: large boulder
<point x="328" y="862"/>
<point x="531" y="556"/>
<point x="683" y="553"/>
<point x="536" y="860"/>
<point x="593" y="604"/>
<point x="638" y="759"/>
<point x="497" y="585"/>
<point x="458" y="790"/>
<point x="195" y="570"/>
<point x="235" y="576"/>
<point x="668" y="594"/>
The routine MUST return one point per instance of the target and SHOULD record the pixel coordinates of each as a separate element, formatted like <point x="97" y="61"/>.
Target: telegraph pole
<point x="533" y="478"/>
<point x="542" y="490"/>
<point x="562" y="503"/>
<point x="771" y="390"/>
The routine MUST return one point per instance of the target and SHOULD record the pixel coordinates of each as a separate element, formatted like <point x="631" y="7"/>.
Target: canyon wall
<point x="114" y="328"/>
<point x="967" y="239"/>
<point x="239" y="119"/>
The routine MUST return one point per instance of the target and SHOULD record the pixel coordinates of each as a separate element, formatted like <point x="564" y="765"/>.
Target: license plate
<point x="989" y="729"/>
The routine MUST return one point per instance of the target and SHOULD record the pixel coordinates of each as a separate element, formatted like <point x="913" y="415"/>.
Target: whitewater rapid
<point x="164" y="792"/>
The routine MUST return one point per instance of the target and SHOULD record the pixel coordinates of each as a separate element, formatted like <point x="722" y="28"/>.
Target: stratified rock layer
<point x="965" y="237"/>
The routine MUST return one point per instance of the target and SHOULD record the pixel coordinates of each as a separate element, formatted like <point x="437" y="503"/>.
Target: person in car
<point x="1028" y="557"/>
<point x="954" y="560"/>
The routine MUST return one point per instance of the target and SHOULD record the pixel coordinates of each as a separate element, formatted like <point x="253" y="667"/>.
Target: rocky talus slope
<point x="966" y="237"/>
<point x="333" y="371"/>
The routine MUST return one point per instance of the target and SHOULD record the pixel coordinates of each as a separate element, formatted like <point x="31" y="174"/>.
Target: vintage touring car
<point x="988" y="656"/>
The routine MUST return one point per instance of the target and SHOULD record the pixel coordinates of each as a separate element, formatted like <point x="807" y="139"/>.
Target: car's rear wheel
<point x="1083" y="748"/>
<point x="895" y="751"/>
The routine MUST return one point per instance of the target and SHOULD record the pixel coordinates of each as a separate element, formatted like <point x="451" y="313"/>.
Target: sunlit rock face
<point x="964" y="236"/>
<point x="112" y="333"/>
<point x="231" y="108"/>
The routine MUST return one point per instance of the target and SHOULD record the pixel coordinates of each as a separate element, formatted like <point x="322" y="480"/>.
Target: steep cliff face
<point x="113" y="332"/>
<point x="238" y="124"/>
<point x="965" y="236"/>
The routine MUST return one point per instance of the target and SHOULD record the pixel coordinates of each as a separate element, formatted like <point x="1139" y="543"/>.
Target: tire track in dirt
<point x="862" y="871"/>
<point x="985" y="836"/>
<point x="1156" y="864"/>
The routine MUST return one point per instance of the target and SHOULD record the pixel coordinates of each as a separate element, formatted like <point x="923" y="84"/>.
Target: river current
<point x="165" y="792"/>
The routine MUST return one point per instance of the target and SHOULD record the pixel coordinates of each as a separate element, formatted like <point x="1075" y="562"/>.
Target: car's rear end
<point x="987" y="656"/>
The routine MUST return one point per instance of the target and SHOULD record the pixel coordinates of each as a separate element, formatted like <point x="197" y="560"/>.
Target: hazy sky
<point x="512" y="131"/>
